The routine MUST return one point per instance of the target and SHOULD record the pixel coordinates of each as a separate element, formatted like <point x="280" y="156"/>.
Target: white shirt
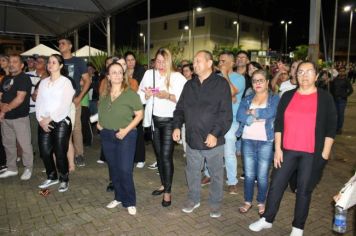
<point x="257" y="130"/>
<point x="162" y="107"/>
<point x="34" y="80"/>
<point x="286" y="86"/>
<point x="54" y="99"/>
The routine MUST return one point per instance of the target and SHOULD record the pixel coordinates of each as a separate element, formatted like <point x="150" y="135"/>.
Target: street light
<point x="237" y="32"/>
<point x="144" y="41"/>
<point x="346" y="9"/>
<point x="286" y="23"/>
<point x="198" y="9"/>
<point x="186" y="28"/>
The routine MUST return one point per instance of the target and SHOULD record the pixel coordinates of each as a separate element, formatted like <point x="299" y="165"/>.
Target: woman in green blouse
<point x="120" y="110"/>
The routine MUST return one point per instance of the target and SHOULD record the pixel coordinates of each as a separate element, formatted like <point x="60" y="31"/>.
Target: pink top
<point x="300" y="122"/>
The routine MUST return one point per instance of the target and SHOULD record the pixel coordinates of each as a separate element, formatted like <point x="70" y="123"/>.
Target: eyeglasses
<point x="305" y="72"/>
<point x="258" y="81"/>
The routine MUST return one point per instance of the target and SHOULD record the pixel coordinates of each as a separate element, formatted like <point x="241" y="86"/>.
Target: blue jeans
<point x="119" y="155"/>
<point x="229" y="155"/>
<point x="340" y="104"/>
<point x="257" y="161"/>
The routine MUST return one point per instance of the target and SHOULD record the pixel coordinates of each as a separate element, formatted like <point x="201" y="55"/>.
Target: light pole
<point x="189" y="39"/>
<point x="346" y="9"/>
<point x="286" y="23"/>
<point x="198" y="9"/>
<point x="237" y="32"/>
<point x="144" y="41"/>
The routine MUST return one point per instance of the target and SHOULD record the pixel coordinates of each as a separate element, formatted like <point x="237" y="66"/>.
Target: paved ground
<point x="81" y="210"/>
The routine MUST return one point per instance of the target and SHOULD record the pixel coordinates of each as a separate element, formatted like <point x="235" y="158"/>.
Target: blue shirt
<point x="239" y="82"/>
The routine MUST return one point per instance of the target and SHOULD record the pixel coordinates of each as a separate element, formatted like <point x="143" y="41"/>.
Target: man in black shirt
<point x="206" y="109"/>
<point x="341" y="88"/>
<point x="77" y="71"/>
<point x="15" y="91"/>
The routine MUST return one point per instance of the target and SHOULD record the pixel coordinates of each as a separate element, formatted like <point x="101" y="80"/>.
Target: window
<point x="200" y="21"/>
<point x="165" y="26"/>
<point x="228" y="23"/>
<point x="257" y="29"/>
<point x="245" y="27"/>
<point x="182" y="23"/>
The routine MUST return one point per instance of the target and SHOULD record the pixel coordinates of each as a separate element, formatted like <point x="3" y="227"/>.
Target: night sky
<point x="271" y="10"/>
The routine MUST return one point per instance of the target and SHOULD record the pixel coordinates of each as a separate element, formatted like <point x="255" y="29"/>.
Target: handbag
<point x="348" y="194"/>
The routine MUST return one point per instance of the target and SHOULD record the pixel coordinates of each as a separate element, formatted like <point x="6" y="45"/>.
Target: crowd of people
<point x="284" y="116"/>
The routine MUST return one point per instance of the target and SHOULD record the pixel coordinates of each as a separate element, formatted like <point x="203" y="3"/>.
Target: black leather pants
<point x="55" y="141"/>
<point x="163" y="147"/>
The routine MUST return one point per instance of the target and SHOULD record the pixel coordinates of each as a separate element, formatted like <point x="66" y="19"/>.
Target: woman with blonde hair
<point x="160" y="90"/>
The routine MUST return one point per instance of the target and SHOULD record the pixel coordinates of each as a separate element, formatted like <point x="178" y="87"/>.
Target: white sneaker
<point x="140" y="164"/>
<point x="113" y="204"/>
<point x="190" y="206"/>
<point x="48" y="182"/>
<point x="260" y="225"/>
<point x="153" y="166"/>
<point x="100" y="162"/>
<point x="26" y="174"/>
<point x="296" y="232"/>
<point x="8" y="173"/>
<point x="132" y="210"/>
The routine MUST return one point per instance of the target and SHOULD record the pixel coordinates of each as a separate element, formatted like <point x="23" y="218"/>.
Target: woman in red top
<point x="301" y="144"/>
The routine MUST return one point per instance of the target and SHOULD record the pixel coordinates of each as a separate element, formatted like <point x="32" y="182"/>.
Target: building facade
<point x="209" y="28"/>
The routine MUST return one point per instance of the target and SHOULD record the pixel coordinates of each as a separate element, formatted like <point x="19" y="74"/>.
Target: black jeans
<point x="55" y="141"/>
<point x="308" y="169"/>
<point x="163" y="147"/>
<point x="86" y="126"/>
<point x="140" y="154"/>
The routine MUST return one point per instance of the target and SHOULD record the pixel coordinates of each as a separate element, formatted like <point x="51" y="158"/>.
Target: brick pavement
<point x="81" y="210"/>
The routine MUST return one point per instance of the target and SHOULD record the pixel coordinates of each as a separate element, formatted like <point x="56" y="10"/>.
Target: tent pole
<point x="148" y="32"/>
<point x="76" y="40"/>
<point x="89" y="38"/>
<point x="37" y="39"/>
<point x="108" y="36"/>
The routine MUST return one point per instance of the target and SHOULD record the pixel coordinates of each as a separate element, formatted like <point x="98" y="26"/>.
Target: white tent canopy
<point x="87" y="51"/>
<point x="40" y="50"/>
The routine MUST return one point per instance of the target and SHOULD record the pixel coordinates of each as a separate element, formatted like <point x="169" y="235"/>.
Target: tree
<point x="301" y="53"/>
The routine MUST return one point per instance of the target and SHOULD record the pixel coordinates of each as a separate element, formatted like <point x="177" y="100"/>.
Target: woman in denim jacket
<point x="256" y="115"/>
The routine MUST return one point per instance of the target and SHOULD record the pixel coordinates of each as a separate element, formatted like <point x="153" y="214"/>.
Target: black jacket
<point x="205" y="108"/>
<point x="138" y="73"/>
<point x="341" y="88"/>
<point x="325" y="117"/>
<point x="325" y="127"/>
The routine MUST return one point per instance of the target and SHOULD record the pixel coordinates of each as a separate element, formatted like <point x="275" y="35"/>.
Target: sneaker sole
<point x="62" y="190"/>
<point x="205" y="184"/>
<point x="111" y="207"/>
<point x="215" y="216"/>
<point x="190" y="211"/>
<point x="25" y="178"/>
<point x="46" y="186"/>
<point x="10" y="175"/>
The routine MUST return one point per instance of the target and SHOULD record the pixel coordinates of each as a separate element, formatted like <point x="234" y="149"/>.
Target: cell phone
<point x="155" y="90"/>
